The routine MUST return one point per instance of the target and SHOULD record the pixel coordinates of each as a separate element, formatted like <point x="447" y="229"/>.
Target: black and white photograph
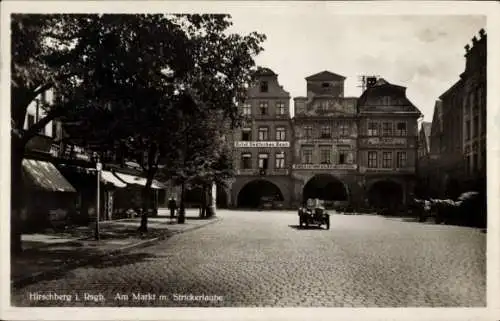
<point x="259" y="154"/>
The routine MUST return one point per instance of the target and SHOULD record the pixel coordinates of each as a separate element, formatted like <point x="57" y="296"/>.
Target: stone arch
<point x="326" y="187"/>
<point x="252" y="193"/>
<point x="386" y="194"/>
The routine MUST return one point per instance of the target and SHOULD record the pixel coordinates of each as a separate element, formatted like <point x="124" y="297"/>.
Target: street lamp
<point x="98" y="198"/>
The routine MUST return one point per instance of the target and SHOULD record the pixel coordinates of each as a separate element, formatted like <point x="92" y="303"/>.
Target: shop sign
<point x="241" y="144"/>
<point x="324" y="166"/>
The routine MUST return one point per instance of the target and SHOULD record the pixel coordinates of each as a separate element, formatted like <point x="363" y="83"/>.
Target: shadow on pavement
<point x="310" y="227"/>
<point x="44" y="261"/>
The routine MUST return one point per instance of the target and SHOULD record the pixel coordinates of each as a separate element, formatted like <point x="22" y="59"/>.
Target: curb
<point x="39" y="276"/>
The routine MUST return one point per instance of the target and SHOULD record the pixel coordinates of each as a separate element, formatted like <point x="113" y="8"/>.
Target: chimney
<point x="371" y="81"/>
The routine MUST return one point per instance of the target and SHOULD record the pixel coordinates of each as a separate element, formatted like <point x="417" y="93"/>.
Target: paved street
<point x="263" y="259"/>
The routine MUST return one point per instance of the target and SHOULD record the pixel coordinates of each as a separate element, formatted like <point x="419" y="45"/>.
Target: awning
<point x="45" y="176"/>
<point x="108" y="177"/>
<point x="131" y="179"/>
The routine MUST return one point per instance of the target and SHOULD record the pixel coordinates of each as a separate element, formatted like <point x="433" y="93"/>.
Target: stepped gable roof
<point x="369" y="99"/>
<point x="325" y="75"/>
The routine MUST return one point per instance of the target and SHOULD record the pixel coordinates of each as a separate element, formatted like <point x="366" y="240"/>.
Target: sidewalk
<point x="47" y="254"/>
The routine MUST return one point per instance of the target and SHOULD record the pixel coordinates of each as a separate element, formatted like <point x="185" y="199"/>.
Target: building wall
<point x="474" y="108"/>
<point x="459" y="148"/>
<point x="325" y="136"/>
<point x="388" y="138"/>
<point x="250" y="140"/>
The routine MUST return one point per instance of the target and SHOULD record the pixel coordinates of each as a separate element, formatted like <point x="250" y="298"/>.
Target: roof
<point x="451" y="90"/>
<point x="325" y="75"/>
<point x="368" y="100"/>
<point x="45" y="176"/>
<point x="263" y="71"/>
<point x="426" y="127"/>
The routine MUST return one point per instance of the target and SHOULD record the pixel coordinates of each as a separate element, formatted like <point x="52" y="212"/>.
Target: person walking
<point x="172" y="205"/>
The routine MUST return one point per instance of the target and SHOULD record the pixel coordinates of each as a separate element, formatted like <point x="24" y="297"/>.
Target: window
<point x="246" y="161"/>
<point x="401" y="162"/>
<point x="247" y="110"/>
<point x="325" y="156"/>
<point x="308" y="131"/>
<point x="280" y="160"/>
<point x="372" y="160"/>
<point x="263" y="161"/>
<point x="372" y="129"/>
<point x="344" y="128"/>
<point x="264" y="86"/>
<point x="401" y="129"/>
<point x="387" y="159"/>
<point x="471" y="100"/>
<point x="325" y="85"/>
<point x="386" y="129"/>
<point x="31" y="120"/>
<point x="280" y="134"/>
<point x="280" y="108"/>
<point x="479" y="97"/>
<point x="475" y="162"/>
<point x="246" y="134"/>
<point x="342" y="157"/>
<point x="326" y="132"/>
<point x="307" y="156"/>
<point x="263" y="133"/>
<point x="467" y="130"/>
<point x="263" y="107"/>
<point x="476" y="126"/>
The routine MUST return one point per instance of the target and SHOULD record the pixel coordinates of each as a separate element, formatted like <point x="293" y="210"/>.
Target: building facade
<point x="474" y="110"/>
<point x="261" y="146"/>
<point x="387" y="145"/>
<point x="325" y="140"/>
<point x="458" y="131"/>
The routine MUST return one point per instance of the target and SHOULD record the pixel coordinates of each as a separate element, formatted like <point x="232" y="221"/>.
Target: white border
<point x="490" y="9"/>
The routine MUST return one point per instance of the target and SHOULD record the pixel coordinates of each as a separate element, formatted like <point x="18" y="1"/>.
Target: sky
<point x="424" y="53"/>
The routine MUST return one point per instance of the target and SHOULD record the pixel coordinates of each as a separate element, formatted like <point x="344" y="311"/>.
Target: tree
<point x="43" y="57"/>
<point x="148" y="76"/>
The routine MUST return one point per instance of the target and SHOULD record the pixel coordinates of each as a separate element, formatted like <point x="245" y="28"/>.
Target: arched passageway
<point x="325" y="187"/>
<point x="386" y="195"/>
<point x="254" y="193"/>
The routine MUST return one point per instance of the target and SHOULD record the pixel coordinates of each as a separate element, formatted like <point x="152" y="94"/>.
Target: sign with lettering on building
<point x="324" y="166"/>
<point x="385" y="141"/>
<point x="241" y="144"/>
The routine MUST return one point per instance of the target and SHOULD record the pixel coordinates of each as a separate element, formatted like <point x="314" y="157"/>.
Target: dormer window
<point x="264" y="87"/>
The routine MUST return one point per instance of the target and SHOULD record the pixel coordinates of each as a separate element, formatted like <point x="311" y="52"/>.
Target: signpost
<point x="98" y="168"/>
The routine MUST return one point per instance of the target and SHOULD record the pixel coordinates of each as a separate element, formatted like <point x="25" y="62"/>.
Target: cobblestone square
<point x="262" y="258"/>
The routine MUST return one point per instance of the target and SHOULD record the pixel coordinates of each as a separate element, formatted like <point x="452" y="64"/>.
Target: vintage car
<point x="314" y="213"/>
